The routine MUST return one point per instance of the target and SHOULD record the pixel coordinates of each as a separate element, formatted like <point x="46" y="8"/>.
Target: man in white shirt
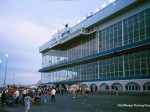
<point x="53" y="94"/>
<point x="24" y="93"/>
<point x="16" y="96"/>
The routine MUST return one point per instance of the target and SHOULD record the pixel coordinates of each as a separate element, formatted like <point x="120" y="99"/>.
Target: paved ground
<point x="95" y="103"/>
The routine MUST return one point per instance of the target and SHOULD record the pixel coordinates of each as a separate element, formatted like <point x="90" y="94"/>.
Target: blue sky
<point x="25" y="25"/>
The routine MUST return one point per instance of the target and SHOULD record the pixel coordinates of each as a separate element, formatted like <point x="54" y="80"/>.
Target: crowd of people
<point x="76" y="91"/>
<point x="28" y="96"/>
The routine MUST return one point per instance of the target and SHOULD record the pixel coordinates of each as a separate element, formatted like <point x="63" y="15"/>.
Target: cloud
<point x="21" y="39"/>
<point x="28" y="32"/>
<point x="23" y="78"/>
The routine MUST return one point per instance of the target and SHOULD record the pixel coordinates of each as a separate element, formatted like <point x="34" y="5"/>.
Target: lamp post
<point x="5" y="70"/>
<point x="0" y="64"/>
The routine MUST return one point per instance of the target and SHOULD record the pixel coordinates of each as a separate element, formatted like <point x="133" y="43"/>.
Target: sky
<point x="25" y="25"/>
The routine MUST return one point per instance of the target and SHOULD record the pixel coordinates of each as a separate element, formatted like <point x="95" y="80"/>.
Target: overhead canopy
<point x="33" y="87"/>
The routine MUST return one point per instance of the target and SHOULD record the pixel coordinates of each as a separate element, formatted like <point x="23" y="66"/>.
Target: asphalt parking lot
<point x="94" y="103"/>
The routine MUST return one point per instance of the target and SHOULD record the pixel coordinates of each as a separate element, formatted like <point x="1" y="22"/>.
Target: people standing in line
<point x="53" y="95"/>
<point x="16" y="96"/>
<point x="27" y="101"/>
<point x="3" y="98"/>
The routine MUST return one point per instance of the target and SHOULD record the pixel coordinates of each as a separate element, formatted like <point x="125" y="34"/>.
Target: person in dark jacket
<point x="3" y="97"/>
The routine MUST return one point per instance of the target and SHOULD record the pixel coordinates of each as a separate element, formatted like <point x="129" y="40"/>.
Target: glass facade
<point x="129" y="65"/>
<point x="126" y="32"/>
<point x="110" y="37"/>
<point x="82" y="48"/>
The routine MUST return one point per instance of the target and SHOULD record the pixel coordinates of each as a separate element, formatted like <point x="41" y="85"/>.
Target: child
<point x="27" y="100"/>
<point x="45" y="96"/>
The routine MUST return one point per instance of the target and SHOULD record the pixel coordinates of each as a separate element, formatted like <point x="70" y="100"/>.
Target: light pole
<point x="5" y="70"/>
<point x="0" y="64"/>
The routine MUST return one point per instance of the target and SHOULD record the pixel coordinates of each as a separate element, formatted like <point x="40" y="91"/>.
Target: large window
<point x="84" y="47"/>
<point x="110" y="37"/>
<point x="128" y="31"/>
<point x="137" y="64"/>
<point x="111" y="68"/>
<point x="134" y="65"/>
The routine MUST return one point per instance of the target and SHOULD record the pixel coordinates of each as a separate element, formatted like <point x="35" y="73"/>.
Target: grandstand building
<point x="107" y="51"/>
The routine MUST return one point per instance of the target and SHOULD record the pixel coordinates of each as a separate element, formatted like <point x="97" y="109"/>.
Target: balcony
<point x="66" y="39"/>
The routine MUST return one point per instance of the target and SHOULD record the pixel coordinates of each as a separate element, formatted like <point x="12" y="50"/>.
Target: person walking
<point x="74" y="92"/>
<point x="45" y="96"/>
<point x="27" y="100"/>
<point x="87" y="91"/>
<point x="3" y="98"/>
<point x="62" y="90"/>
<point x="53" y="95"/>
<point x="78" y="92"/>
<point x="116" y="91"/>
<point x="24" y="93"/>
<point x="39" y="91"/>
<point x="16" y="96"/>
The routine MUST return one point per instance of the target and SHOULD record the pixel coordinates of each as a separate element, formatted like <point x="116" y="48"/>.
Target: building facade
<point x="107" y="51"/>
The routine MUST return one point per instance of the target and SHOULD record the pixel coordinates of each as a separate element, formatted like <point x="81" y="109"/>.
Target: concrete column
<point x="141" y="88"/>
<point x="124" y="87"/>
<point x="110" y="89"/>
